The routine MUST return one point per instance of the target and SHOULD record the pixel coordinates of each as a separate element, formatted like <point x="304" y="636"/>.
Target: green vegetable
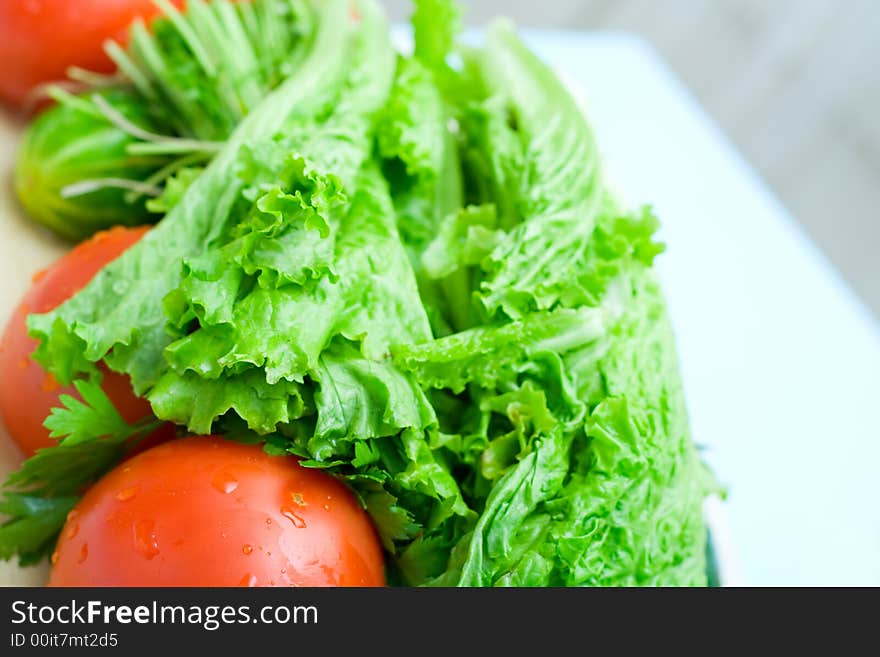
<point x="95" y="160"/>
<point x="93" y="437"/>
<point x="201" y="72"/>
<point x="74" y="142"/>
<point x="410" y="274"/>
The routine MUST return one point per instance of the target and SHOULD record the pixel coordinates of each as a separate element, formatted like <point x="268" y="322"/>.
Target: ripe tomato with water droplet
<point x="171" y="517"/>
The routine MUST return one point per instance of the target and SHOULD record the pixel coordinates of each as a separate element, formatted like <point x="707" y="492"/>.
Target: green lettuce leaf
<point x="543" y="163"/>
<point x="119" y="316"/>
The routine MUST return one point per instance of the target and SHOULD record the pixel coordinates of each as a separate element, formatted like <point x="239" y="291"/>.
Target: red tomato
<point x="40" y="39"/>
<point x="27" y="392"/>
<point x="204" y="511"/>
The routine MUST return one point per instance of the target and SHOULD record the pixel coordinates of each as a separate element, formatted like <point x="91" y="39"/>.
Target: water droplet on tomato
<point x="54" y="557"/>
<point x="83" y="553"/>
<point x="247" y="549"/>
<point x="126" y="494"/>
<point x="298" y="499"/>
<point x="248" y="580"/>
<point x="224" y="482"/>
<point x="72" y="531"/>
<point x="297" y="521"/>
<point x="326" y="507"/>
<point x="73" y="514"/>
<point x="145" y="540"/>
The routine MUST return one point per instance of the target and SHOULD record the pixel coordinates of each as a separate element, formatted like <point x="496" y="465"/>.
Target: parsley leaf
<point x="37" y="497"/>
<point x="80" y="421"/>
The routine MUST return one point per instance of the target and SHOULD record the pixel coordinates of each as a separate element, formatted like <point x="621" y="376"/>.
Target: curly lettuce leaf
<point x="532" y="139"/>
<point x="119" y="316"/>
<point x="463" y="239"/>
<point x="613" y="500"/>
<point x="373" y="302"/>
<point x="631" y="513"/>
<point x="488" y="355"/>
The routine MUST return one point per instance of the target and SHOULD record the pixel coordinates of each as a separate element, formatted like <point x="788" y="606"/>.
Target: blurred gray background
<point x="794" y="83"/>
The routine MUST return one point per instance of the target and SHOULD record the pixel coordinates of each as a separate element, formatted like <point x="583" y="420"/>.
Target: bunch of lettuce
<point x="407" y="271"/>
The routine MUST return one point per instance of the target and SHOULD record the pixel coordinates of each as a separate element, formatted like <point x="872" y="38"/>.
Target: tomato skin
<point x="27" y="392"/>
<point x="40" y="39"/>
<point x="205" y="511"/>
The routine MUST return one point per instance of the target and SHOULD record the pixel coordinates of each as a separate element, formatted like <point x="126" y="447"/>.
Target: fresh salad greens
<point x="408" y="271"/>
<point x="93" y="161"/>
